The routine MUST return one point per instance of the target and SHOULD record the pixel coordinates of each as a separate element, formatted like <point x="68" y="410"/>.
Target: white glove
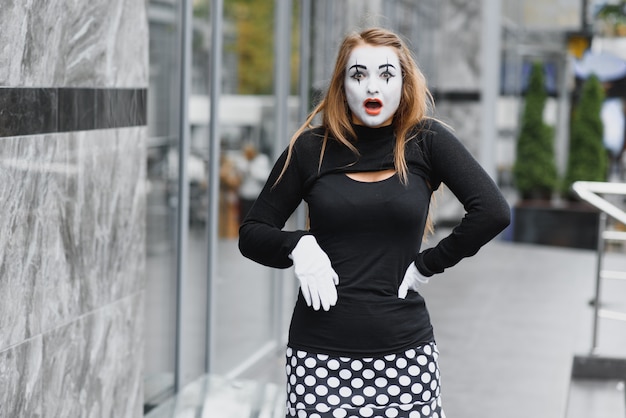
<point x="317" y="277"/>
<point x="411" y="281"/>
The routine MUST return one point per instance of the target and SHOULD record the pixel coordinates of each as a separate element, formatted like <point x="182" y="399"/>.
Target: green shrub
<point x="534" y="171"/>
<point x="588" y="159"/>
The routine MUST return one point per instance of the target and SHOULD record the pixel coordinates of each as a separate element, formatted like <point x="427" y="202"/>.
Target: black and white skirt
<point x="404" y="384"/>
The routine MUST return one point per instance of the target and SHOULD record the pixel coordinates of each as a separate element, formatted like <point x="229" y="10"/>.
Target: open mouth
<point x="373" y="106"/>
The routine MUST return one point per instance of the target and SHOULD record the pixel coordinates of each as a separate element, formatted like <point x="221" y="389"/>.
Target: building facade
<point x="73" y="83"/>
<point x="96" y="320"/>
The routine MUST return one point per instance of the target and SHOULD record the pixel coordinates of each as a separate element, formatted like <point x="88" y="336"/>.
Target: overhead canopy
<point x="606" y="66"/>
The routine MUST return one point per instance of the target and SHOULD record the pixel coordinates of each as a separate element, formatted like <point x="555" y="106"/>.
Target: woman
<point x="360" y="342"/>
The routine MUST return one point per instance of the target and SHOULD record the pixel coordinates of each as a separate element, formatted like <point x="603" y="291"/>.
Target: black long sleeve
<point x="261" y="236"/>
<point x="371" y="231"/>
<point x="487" y="212"/>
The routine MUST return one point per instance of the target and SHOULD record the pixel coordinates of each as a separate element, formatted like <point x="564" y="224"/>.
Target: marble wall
<point x="73" y="82"/>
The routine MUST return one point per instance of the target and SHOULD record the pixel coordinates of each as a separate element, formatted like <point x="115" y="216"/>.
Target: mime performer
<point x="361" y="343"/>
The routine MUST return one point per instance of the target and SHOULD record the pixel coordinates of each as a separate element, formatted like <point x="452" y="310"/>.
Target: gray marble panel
<point x="20" y="380"/>
<point x="95" y="248"/>
<point x="23" y="223"/>
<point x="459" y="49"/>
<point x="72" y="232"/>
<point x="66" y="292"/>
<point x="58" y="43"/>
<point x="12" y="39"/>
<point x="28" y="111"/>
<point x="92" y="367"/>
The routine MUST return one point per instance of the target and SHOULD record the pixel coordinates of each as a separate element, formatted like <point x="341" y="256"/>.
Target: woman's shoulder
<point x="429" y="128"/>
<point x="431" y="132"/>
<point x="426" y="136"/>
<point x="313" y="133"/>
<point x="306" y="149"/>
<point x="310" y="140"/>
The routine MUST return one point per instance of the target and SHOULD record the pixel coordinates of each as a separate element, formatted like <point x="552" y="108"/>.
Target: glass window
<point x="162" y="175"/>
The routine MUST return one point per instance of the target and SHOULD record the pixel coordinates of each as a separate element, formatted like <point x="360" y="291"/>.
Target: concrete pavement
<point x="508" y="322"/>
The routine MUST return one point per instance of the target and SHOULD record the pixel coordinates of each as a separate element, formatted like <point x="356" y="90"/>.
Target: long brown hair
<point x="415" y="104"/>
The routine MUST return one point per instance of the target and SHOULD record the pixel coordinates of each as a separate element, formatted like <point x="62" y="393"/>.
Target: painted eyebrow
<point x="386" y="66"/>
<point x="358" y="67"/>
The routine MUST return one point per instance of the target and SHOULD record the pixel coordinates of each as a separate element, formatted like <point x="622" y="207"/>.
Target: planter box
<point x="574" y="225"/>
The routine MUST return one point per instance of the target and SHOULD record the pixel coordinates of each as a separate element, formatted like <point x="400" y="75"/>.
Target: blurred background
<point x="135" y="135"/>
<point x="225" y="314"/>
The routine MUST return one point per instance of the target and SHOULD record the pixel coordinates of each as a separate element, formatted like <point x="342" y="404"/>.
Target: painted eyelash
<point x="354" y="76"/>
<point x="389" y="74"/>
<point x="356" y="73"/>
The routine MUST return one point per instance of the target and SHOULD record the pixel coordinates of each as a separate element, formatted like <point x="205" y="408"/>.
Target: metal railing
<point x="594" y="193"/>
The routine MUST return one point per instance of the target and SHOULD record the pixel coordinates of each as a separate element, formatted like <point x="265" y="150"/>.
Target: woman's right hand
<point x="318" y="279"/>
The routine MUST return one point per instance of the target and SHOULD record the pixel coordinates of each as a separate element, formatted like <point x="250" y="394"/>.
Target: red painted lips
<point x="373" y="106"/>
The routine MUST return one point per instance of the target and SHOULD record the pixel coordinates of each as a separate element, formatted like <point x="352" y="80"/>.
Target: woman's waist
<point x="375" y="324"/>
<point x="360" y="303"/>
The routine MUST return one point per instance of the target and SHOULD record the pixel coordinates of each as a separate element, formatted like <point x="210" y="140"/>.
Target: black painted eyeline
<point x="31" y="111"/>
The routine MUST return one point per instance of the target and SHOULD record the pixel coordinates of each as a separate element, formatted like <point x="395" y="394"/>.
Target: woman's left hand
<point x="411" y="281"/>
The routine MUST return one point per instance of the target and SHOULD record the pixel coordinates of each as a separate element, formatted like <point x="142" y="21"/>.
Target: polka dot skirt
<point x="399" y="385"/>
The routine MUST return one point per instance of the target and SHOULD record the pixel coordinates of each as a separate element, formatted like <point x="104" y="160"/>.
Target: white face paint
<point x="373" y="85"/>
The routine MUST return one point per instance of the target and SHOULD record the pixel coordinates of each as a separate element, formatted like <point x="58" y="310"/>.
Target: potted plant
<point x="534" y="171"/>
<point x="588" y="159"/>
<point x="539" y="217"/>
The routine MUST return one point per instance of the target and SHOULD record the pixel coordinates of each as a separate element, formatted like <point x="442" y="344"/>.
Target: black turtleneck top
<point x="371" y="231"/>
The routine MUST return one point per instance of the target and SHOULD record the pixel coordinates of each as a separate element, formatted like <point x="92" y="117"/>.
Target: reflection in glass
<point x="245" y="292"/>
<point x="162" y="176"/>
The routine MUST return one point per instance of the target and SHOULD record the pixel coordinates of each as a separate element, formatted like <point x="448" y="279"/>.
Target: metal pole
<point x="490" y="80"/>
<point x="182" y="230"/>
<point x="282" y="80"/>
<point x="305" y="79"/>
<point x="304" y="91"/>
<point x="305" y="58"/>
<point x="328" y="30"/>
<point x="596" y="298"/>
<point x="215" y="84"/>
<point x="282" y="35"/>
